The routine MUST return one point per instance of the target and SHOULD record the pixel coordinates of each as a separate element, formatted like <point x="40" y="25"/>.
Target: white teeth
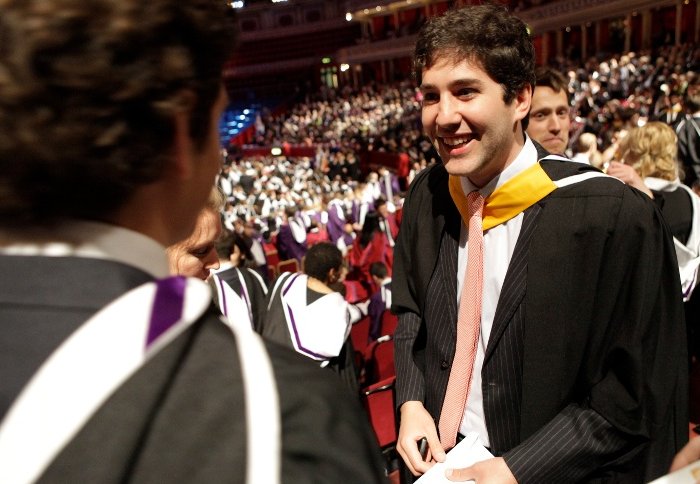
<point x="455" y="141"/>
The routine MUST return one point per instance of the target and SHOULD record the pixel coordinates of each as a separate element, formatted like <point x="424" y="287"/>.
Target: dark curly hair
<point x="88" y="90"/>
<point x="489" y="35"/>
<point x="320" y="259"/>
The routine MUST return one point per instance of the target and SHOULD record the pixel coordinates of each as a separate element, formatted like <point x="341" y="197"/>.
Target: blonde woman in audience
<point x="649" y="163"/>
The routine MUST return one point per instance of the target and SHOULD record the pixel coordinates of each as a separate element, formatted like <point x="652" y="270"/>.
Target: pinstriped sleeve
<point x="410" y="384"/>
<point x="575" y="441"/>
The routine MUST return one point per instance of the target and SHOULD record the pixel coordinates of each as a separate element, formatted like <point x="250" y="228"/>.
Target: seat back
<point x="378" y="401"/>
<point x="389" y="322"/>
<point x="359" y="334"/>
<point x="289" y="265"/>
<point x="379" y="360"/>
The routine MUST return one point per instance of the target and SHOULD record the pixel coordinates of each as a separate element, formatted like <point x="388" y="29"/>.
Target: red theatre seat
<point x="378" y="401"/>
<point x="379" y="360"/>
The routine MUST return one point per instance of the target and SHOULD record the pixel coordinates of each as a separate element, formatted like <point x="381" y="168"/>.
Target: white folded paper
<point x="689" y="474"/>
<point x="468" y="452"/>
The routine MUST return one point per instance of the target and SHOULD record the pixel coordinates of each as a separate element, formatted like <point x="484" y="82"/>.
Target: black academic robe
<point x="584" y="377"/>
<point x="180" y="418"/>
<point x="253" y="290"/>
<point x="276" y="329"/>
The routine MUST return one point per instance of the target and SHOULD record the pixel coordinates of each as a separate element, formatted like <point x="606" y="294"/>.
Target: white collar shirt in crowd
<point x="499" y="243"/>
<point x="90" y="240"/>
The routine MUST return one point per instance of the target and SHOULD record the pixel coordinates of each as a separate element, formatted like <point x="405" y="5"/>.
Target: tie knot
<point x="475" y="203"/>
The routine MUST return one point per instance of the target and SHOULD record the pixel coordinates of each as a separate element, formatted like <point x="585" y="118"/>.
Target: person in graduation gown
<point x="111" y="370"/>
<point x="649" y="163"/>
<point x="687" y="128"/>
<point x="240" y="292"/>
<point x="305" y="313"/>
<point x="371" y="245"/>
<point x="580" y="371"/>
<point x="291" y="238"/>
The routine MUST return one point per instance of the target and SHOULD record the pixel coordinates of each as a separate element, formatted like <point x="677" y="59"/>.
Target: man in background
<point x="550" y="114"/>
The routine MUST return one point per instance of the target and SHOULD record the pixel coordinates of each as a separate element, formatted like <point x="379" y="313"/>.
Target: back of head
<point x="487" y="35"/>
<point x="320" y="259"/>
<point x="89" y="89"/>
<point x="586" y="142"/>
<point x="369" y="227"/>
<point x="651" y="149"/>
<point x="378" y="270"/>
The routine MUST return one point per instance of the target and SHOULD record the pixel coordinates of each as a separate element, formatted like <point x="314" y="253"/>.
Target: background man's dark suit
<point x="584" y="373"/>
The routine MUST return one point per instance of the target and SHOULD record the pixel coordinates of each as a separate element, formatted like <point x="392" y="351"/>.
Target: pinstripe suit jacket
<point x="584" y="375"/>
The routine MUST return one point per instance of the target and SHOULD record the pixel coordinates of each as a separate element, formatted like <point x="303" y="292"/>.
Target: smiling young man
<point x="524" y="317"/>
<point x="550" y="113"/>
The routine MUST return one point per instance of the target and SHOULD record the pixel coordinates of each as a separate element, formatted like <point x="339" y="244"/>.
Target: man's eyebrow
<point x="466" y="82"/>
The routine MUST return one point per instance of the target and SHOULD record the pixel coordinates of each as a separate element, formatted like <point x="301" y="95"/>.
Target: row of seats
<point x="378" y="379"/>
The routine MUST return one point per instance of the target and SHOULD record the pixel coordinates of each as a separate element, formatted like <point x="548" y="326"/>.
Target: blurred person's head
<point x="324" y="261"/>
<point x="232" y="247"/>
<point x="105" y="105"/>
<point x="196" y="255"/>
<point x="369" y="227"/>
<point x="651" y="150"/>
<point x="691" y="100"/>
<point x="550" y="114"/>
<point x="380" y="205"/>
<point x="379" y="271"/>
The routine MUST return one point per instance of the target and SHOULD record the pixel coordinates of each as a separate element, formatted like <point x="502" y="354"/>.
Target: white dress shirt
<point x="499" y="243"/>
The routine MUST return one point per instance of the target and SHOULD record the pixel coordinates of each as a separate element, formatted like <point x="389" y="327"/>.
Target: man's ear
<point x="333" y="275"/>
<point x="523" y="101"/>
<point x="183" y="147"/>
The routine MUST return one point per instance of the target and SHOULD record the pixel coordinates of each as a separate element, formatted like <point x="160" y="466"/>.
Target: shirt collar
<point x="90" y="240"/>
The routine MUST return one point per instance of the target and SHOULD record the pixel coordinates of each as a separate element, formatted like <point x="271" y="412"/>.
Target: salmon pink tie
<point x="468" y="326"/>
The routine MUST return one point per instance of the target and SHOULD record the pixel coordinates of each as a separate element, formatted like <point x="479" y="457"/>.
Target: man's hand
<point x="417" y="423"/>
<point x="688" y="454"/>
<point x="491" y="471"/>
<point x="628" y="175"/>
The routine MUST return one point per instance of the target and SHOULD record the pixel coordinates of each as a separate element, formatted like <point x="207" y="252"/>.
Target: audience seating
<point x="378" y="401"/>
<point x="289" y="265"/>
<point x="379" y="360"/>
<point x="389" y="322"/>
<point x="359" y="334"/>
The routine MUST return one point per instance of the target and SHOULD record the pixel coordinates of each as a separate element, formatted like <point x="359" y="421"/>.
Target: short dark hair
<point x="486" y="34"/>
<point x="89" y="93"/>
<point x="320" y="259"/>
<point x="551" y="78"/>
<point x="226" y="243"/>
<point x="378" y="270"/>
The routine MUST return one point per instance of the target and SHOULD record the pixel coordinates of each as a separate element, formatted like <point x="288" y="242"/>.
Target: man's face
<point x="463" y="112"/>
<point x="550" y="119"/>
<point x="195" y="256"/>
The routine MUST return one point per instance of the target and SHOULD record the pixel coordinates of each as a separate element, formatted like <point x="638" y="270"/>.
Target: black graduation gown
<point x="180" y="417"/>
<point x="589" y="324"/>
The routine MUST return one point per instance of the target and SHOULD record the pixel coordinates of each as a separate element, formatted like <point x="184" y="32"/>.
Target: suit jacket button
<point x="444" y="364"/>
